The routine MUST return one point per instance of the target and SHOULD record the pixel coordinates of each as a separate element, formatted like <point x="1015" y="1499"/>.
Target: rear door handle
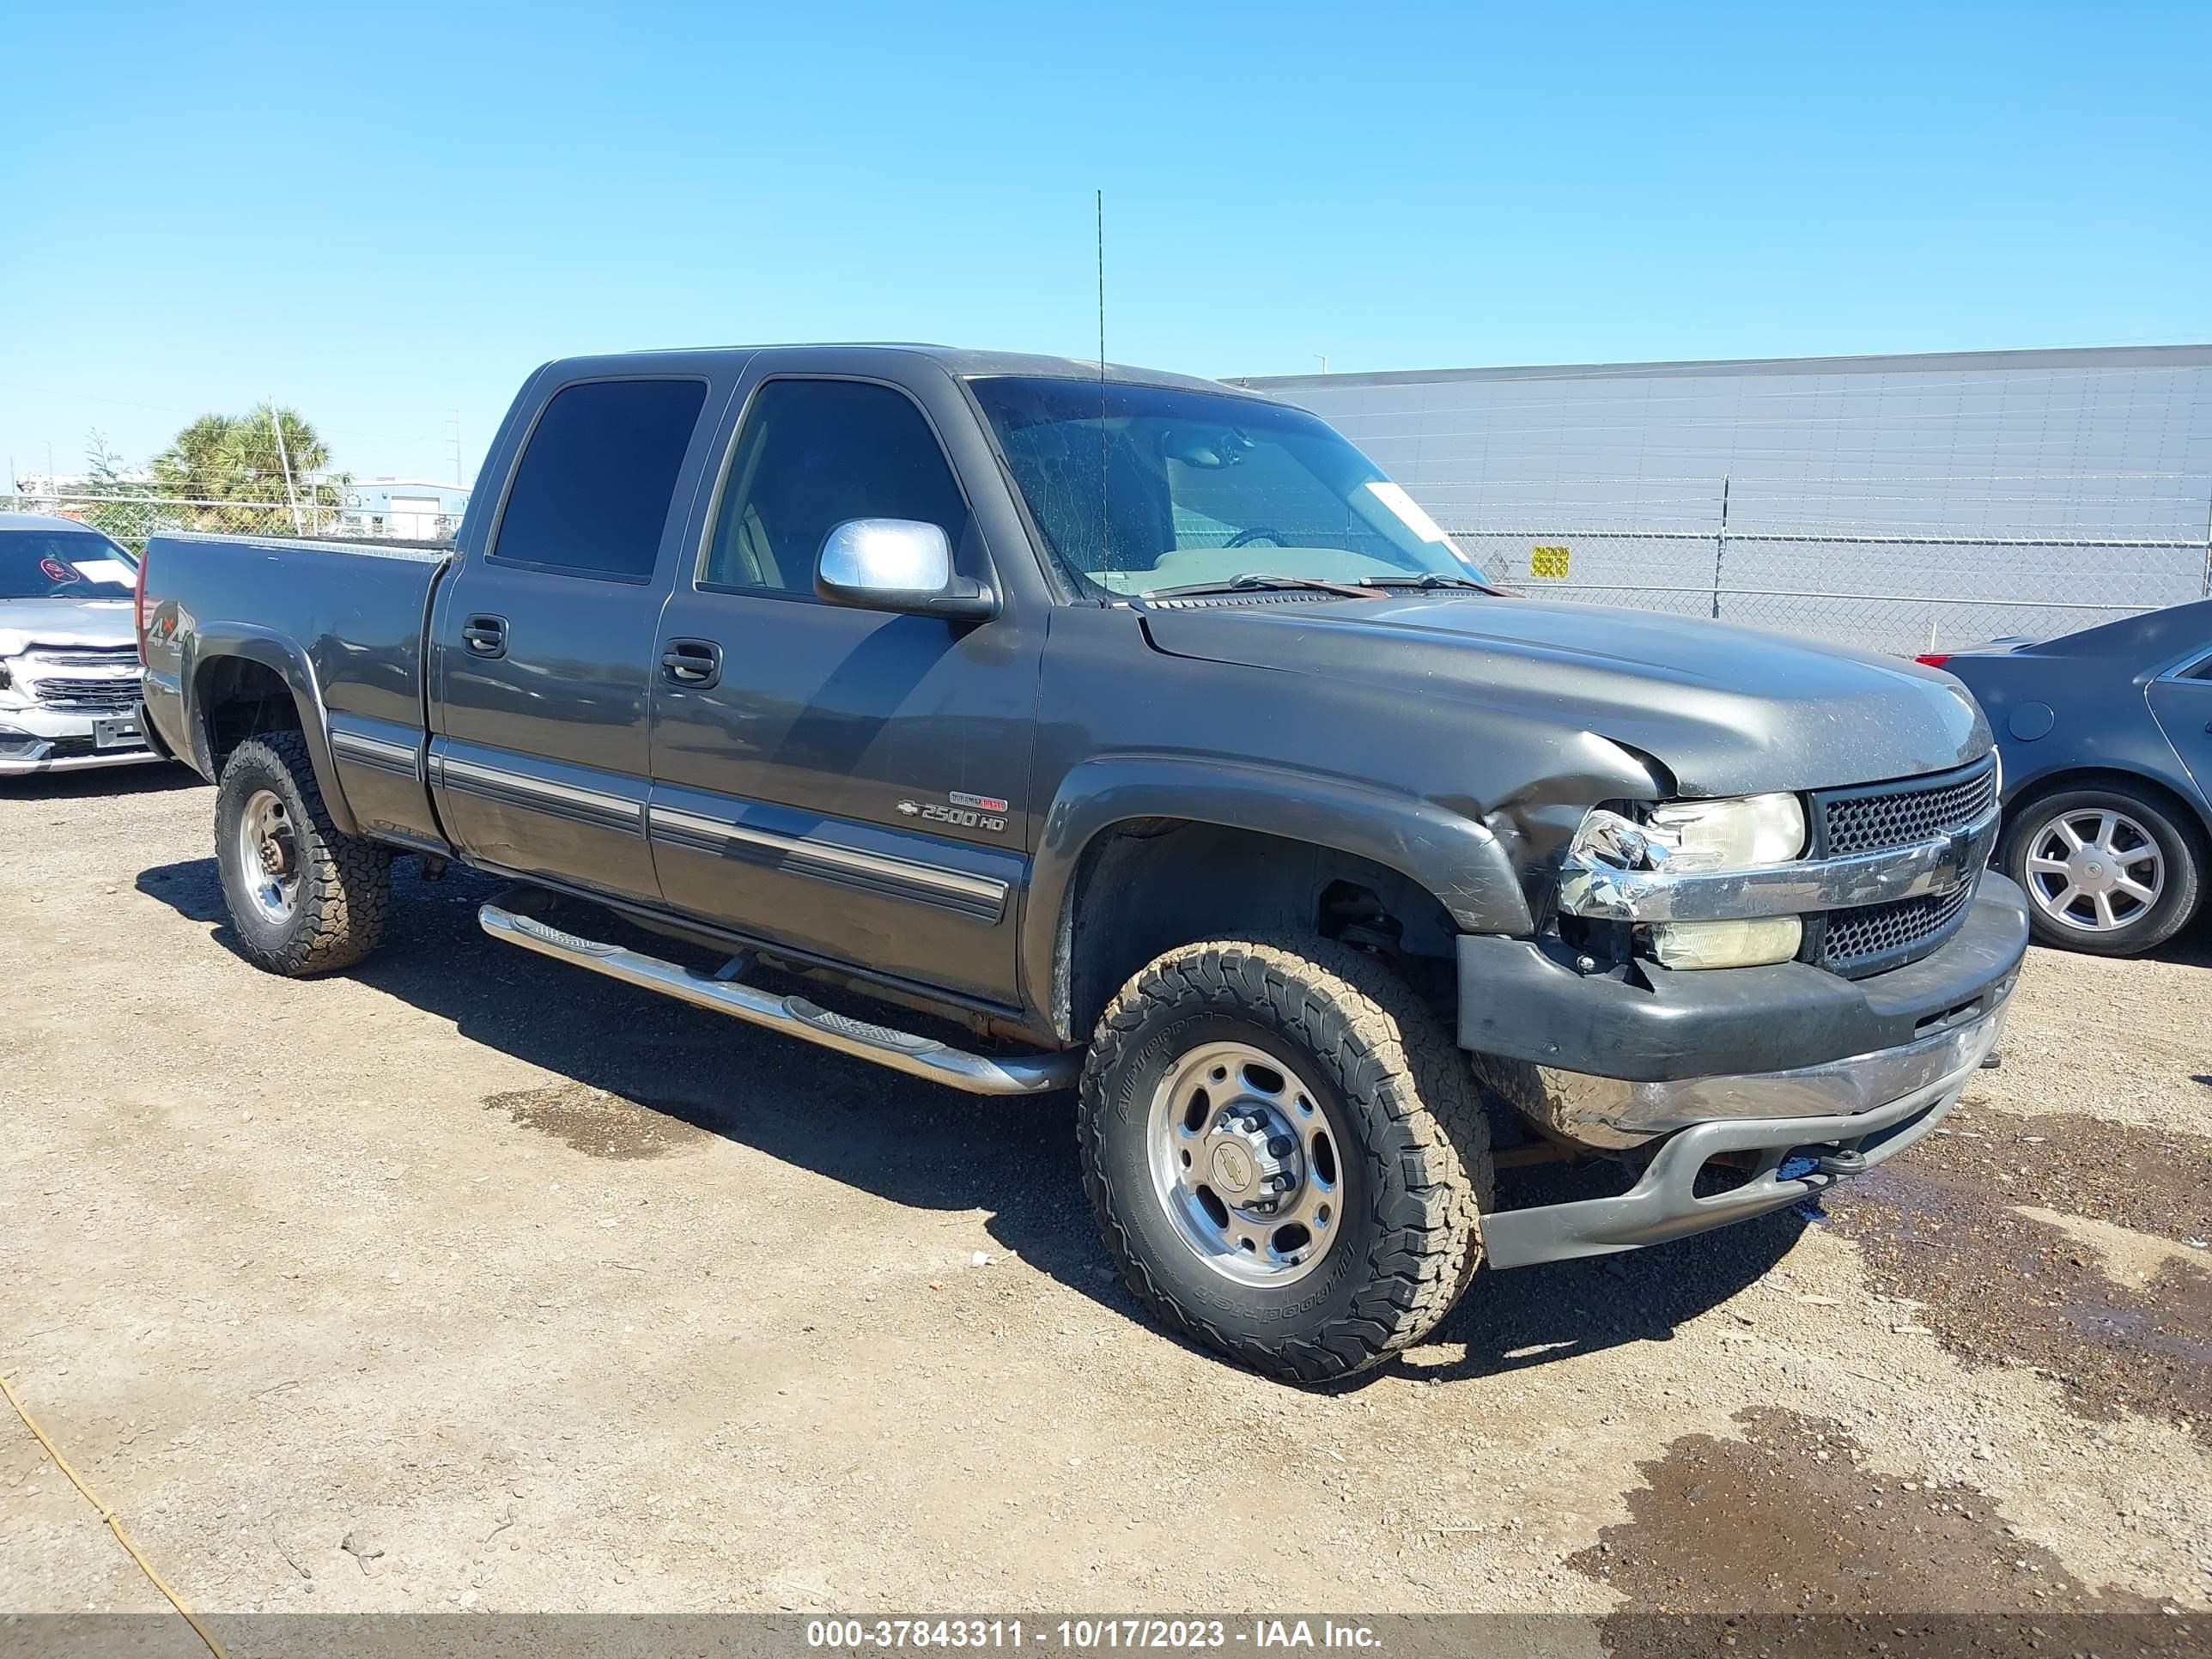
<point x="485" y="636"/>
<point x="696" y="664"/>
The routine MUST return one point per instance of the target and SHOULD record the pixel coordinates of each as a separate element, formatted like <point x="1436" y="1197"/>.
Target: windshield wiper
<point x="1256" y="581"/>
<point x="1427" y="579"/>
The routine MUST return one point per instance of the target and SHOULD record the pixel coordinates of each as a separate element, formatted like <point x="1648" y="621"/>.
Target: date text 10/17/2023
<point x="1090" y="1635"/>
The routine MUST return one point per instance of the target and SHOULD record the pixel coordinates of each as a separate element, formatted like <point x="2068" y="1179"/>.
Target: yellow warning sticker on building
<point x="1548" y="561"/>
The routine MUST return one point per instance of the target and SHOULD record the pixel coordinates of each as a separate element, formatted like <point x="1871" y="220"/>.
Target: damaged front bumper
<point x="1769" y="1128"/>
<point x="1750" y="1070"/>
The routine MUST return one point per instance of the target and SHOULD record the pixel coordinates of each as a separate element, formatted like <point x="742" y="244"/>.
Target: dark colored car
<point x="2107" y="739"/>
<point x="1144" y="730"/>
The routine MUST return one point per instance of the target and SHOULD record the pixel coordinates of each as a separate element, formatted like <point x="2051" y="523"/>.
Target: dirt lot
<point x="467" y="1280"/>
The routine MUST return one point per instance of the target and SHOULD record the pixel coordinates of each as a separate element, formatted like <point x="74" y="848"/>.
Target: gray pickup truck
<point x="1127" y="732"/>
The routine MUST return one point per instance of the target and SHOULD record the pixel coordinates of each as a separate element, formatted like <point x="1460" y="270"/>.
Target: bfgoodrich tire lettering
<point x="1412" y="1151"/>
<point x="338" y="889"/>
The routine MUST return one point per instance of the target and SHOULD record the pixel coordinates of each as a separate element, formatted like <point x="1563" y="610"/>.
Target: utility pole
<point x="454" y="419"/>
<point x="284" y="460"/>
<point x="1323" y="355"/>
<point x="1720" y="548"/>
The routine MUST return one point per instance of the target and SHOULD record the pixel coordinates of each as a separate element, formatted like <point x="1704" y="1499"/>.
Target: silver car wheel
<point x="2094" y="870"/>
<point x="269" y="857"/>
<point x="1244" y="1163"/>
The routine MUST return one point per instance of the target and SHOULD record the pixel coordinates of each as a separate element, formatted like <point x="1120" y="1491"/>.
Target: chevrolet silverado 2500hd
<point x="1143" y="730"/>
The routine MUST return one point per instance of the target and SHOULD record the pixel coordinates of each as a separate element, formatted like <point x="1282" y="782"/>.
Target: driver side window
<point x="811" y="454"/>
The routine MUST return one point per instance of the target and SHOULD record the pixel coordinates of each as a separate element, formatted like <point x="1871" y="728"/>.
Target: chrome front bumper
<point x="19" y="766"/>
<point x="1612" y="1113"/>
<point x="31" y="734"/>
<point x="1834" y="1120"/>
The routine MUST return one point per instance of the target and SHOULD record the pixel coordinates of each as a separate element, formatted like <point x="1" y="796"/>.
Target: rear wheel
<point x="2106" y="870"/>
<point x="1285" y="1154"/>
<point x="304" y="898"/>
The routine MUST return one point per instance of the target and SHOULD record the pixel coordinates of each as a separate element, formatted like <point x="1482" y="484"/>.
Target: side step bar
<point x="902" y="1051"/>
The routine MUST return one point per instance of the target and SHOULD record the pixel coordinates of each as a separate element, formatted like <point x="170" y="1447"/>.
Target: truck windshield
<point x="1141" y="487"/>
<point x="63" y="564"/>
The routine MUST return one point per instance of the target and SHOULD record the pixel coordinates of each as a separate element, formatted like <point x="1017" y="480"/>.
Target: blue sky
<point x="384" y="214"/>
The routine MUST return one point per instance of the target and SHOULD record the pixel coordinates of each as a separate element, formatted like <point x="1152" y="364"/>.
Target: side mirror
<point x="898" y="564"/>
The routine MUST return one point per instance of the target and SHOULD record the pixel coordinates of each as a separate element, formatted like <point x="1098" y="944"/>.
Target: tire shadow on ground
<point x="1507" y="1321"/>
<point x="922" y="1145"/>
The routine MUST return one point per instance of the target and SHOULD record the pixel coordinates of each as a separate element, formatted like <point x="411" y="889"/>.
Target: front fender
<point x="214" y="643"/>
<point x="1453" y="857"/>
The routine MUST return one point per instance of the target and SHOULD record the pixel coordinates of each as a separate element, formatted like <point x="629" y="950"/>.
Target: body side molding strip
<point x="984" y="897"/>
<point x="365" y="750"/>
<point x="540" y="794"/>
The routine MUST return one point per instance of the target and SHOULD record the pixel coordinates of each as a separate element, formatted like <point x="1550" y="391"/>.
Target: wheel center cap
<point x="1232" y="1168"/>
<point x="2093" y="875"/>
<point x="1250" y="1160"/>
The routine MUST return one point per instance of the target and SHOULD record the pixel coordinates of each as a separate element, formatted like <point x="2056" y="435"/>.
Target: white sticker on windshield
<point x="105" y="570"/>
<point x="1408" y="511"/>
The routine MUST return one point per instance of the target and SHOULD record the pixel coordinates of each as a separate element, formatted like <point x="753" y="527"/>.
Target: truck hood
<point x="27" y="622"/>
<point x="1726" y="710"/>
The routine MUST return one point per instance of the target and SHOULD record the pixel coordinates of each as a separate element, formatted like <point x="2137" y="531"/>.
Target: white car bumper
<point x="34" y="740"/>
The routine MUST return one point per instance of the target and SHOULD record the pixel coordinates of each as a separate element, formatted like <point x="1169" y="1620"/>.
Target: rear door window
<point x="598" y="478"/>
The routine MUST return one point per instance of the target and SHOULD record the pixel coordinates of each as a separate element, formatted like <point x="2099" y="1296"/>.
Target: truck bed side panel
<point x="343" y="624"/>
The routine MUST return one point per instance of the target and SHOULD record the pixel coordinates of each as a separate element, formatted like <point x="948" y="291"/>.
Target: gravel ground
<point x="467" y="1281"/>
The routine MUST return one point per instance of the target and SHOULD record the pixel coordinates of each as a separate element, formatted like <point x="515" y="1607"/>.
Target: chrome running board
<point x="902" y="1051"/>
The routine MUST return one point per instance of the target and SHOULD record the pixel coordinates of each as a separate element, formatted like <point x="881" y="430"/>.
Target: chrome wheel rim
<point x="1244" y="1163"/>
<point x="2094" y="870"/>
<point x="269" y="857"/>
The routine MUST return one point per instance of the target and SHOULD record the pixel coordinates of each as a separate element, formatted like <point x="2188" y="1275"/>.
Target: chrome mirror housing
<point x="900" y="565"/>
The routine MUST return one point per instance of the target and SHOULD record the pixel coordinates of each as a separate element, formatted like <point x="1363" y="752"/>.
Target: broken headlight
<point x="1684" y="837"/>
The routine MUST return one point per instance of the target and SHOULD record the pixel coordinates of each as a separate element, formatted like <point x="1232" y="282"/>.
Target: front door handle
<point x="485" y="636"/>
<point x="696" y="664"/>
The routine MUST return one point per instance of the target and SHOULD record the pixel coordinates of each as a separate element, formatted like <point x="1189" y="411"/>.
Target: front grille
<point x="1878" y="937"/>
<point x="1874" y="817"/>
<point x="1881" y="815"/>
<point x="86" y="694"/>
<point x="89" y="656"/>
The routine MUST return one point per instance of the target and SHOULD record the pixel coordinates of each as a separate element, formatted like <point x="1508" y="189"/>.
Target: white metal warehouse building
<point x="1891" y="502"/>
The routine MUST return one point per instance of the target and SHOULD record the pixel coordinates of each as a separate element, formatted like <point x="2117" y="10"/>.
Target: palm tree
<point x="224" y="459"/>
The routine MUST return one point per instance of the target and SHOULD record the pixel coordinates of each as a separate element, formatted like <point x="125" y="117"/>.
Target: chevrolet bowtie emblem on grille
<point x="908" y="808"/>
<point x="1958" y="858"/>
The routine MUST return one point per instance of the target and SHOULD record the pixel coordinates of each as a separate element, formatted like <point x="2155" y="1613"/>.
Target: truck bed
<point x="342" y="621"/>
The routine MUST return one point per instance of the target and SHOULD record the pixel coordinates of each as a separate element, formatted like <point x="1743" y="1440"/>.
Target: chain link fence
<point x="130" y="517"/>
<point x="2049" y="564"/>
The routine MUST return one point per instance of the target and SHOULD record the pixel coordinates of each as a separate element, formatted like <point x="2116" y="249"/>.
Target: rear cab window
<point x="597" y="480"/>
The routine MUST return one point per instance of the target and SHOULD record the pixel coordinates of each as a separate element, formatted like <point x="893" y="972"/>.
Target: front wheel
<point x="2106" y="870"/>
<point x="1285" y="1153"/>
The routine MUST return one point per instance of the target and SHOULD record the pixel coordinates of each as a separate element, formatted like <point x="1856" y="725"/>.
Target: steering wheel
<point x="1258" y="532"/>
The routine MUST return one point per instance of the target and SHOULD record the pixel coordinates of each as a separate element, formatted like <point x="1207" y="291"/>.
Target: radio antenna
<point x="1105" y="520"/>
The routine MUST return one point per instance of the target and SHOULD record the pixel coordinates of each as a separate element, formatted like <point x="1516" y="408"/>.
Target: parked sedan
<point x="2107" y="739"/>
<point x="68" y="658"/>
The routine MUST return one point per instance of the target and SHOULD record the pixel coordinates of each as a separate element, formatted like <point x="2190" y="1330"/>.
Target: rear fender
<point x="215" y="643"/>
